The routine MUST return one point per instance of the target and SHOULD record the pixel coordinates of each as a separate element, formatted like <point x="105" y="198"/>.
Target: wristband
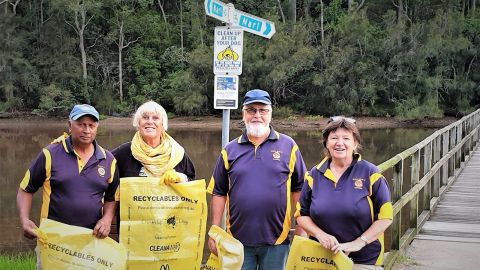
<point x="364" y="239"/>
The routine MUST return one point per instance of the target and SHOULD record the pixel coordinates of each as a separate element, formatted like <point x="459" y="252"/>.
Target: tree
<point x="78" y="14"/>
<point x="122" y="11"/>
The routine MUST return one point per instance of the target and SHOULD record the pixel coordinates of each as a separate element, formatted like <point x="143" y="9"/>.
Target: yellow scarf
<point x="159" y="159"/>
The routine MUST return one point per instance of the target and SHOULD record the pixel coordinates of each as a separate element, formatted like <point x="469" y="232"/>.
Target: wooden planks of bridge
<point x="450" y="239"/>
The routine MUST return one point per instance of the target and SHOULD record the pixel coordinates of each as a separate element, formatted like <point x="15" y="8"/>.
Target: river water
<point x="21" y="141"/>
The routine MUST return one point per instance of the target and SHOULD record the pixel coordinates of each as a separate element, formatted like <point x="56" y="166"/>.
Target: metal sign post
<point x="227" y="59"/>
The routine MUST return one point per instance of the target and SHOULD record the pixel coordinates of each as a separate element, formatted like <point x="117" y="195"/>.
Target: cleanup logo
<point x="169" y="248"/>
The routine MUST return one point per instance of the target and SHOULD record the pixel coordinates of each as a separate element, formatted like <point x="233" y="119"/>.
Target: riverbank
<point x="296" y="122"/>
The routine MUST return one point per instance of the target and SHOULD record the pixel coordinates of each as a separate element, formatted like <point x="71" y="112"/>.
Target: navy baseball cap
<point x="257" y="96"/>
<point x="81" y="110"/>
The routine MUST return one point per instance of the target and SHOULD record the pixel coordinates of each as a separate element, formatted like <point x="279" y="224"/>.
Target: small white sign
<point x="225" y="95"/>
<point x="228" y="51"/>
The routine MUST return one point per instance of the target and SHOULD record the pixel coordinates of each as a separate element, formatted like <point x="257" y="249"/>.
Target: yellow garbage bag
<point x="162" y="226"/>
<point x="308" y="254"/>
<point x="212" y="263"/>
<point x="230" y="250"/>
<point x="66" y="247"/>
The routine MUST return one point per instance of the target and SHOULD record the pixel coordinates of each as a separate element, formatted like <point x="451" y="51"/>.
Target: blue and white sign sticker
<point x="254" y="24"/>
<point x="217" y="10"/>
<point x="228" y="51"/>
<point x="225" y="93"/>
<point x="248" y="22"/>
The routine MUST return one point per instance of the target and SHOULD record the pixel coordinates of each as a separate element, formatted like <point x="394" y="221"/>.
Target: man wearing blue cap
<point x="258" y="176"/>
<point x="79" y="179"/>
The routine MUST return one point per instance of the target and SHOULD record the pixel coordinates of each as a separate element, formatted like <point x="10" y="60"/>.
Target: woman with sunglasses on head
<point x="345" y="201"/>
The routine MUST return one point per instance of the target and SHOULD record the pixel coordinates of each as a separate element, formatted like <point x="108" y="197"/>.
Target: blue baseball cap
<point x="257" y="96"/>
<point x="81" y="110"/>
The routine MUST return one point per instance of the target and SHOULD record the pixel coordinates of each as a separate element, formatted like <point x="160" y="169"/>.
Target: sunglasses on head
<point x="341" y="118"/>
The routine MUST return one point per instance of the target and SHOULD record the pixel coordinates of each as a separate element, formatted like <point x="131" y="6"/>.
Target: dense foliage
<point x="382" y="58"/>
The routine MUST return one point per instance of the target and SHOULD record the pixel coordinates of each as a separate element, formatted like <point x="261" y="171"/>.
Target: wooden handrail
<point x="443" y="156"/>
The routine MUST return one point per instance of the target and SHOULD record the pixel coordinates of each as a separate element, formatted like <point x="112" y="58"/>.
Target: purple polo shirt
<point x="257" y="181"/>
<point x="72" y="194"/>
<point x="347" y="208"/>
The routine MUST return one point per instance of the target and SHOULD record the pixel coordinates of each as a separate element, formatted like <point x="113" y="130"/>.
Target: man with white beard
<point x="258" y="176"/>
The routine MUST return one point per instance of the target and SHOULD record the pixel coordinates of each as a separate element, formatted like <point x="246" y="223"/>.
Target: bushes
<point x="55" y="101"/>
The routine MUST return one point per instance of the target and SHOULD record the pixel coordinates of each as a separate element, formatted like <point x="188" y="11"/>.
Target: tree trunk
<point x="121" y="38"/>
<point x="164" y="17"/>
<point x="293" y="10"/>
<point x="159" y="2"/>
<point x="14" y="7"/>
<point x="5" y="5"/>
<point x="41" y="12"/>
<point x="181" y="26"/>
<point x="306" y="8"/>
<point x="281" y="10"/>
<point x="321" y="22"/>
<point x="473" y="5"/>
<point x="360" y="5"/>
<point x="200" y="11"/>
<point x="84" y="57"/>
<point x="80" y="27"/>
<point x="399" y="11"/>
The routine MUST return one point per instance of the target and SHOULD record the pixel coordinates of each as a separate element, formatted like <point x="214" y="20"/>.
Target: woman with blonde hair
<point x="152" y="151"/>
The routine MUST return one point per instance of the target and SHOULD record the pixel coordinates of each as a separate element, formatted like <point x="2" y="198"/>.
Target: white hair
<point x="148" y="108"/>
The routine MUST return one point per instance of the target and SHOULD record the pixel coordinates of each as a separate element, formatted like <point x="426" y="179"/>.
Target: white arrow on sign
<point x="254" y="24"/>
<point x="217" y="10"/>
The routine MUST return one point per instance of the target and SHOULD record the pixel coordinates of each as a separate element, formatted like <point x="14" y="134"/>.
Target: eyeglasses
<point x="253" y="111"/>
<point x="341" y="118"/>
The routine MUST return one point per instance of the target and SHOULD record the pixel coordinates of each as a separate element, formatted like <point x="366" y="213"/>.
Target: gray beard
<point x="256" y="130"/>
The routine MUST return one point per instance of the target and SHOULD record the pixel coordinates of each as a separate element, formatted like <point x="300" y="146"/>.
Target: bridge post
<point x="460" y="138"/>
<point x="476" y="136"/>
<point x="436" y="156"/>
<point x="427" y="165"/>
<point x="444" y="152"/>
<point x="458" y="154"/>
<point x="415" y="176"/>
<point x="397" y="194"/>
<point x="451" y="160"/>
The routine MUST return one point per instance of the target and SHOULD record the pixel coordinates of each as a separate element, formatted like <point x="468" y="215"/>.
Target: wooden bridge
<point x="436" y="200"/>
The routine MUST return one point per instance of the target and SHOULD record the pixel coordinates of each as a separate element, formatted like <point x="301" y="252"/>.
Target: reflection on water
<point x="21" y="141"/>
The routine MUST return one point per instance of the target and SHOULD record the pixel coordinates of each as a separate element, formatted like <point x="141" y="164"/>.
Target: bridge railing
<point x="421" y="175"/>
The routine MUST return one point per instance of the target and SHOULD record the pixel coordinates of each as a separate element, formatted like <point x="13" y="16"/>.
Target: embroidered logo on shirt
<point x="101" y="171"/>
<point x="358" y="183"/>
<point x="276" y="154"/>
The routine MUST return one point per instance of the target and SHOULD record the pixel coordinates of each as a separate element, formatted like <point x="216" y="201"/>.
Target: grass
<point x="292" y="118"/>
<point x="314" y="118"/>
<point x="20" y="261"/>
<point x="404" y="260"/>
